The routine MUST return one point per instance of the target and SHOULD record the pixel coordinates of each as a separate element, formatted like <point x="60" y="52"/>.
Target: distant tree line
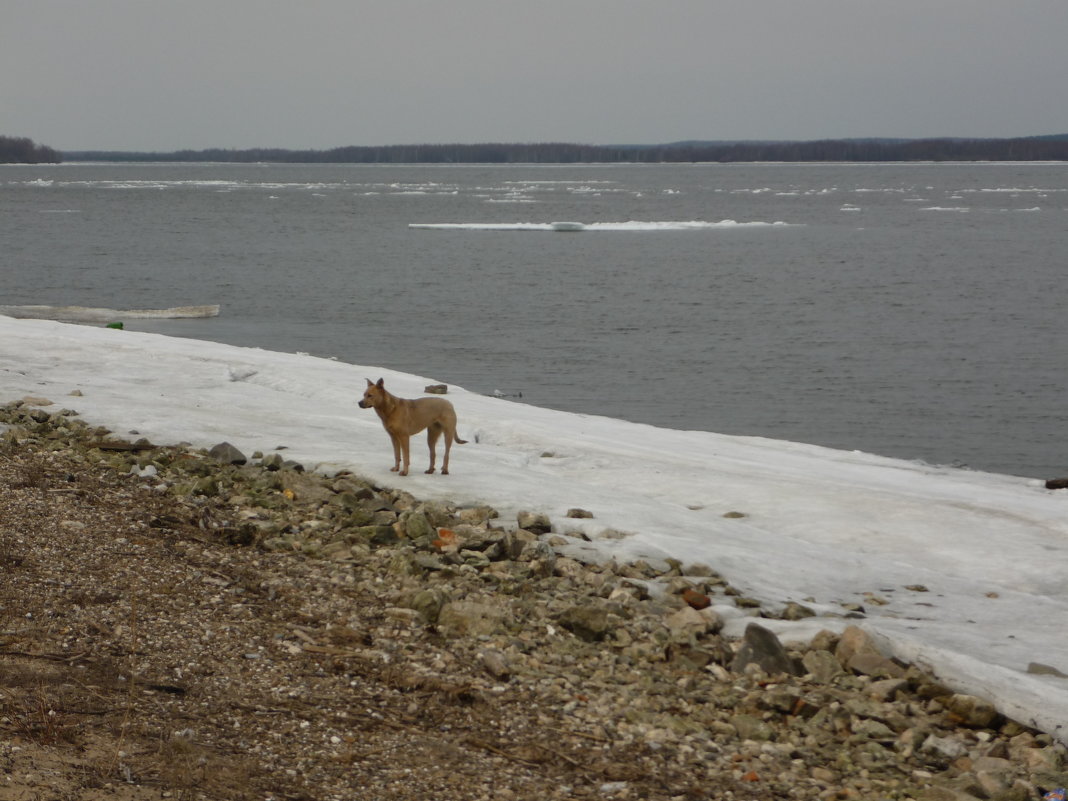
<point x="1039" y="148"/>
<point x="1024" y="149"/>
<point x="19" y="150"/>
<point x="493" y="153"/>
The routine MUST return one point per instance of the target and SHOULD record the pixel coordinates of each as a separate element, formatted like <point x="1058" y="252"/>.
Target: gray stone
<point x="713" y="618"/>
<point x="686" y="624"/>
<point x="568" y="568"/>
<point x="750" y="727"/>
<point x="822" y="665"/>
<point x="428" y="561"/>
<point x="359" y="518"/>
<point x="783" y="699"/>
<point x="496" y="663"/>
<point x="887" y="689"/>
<point x="474" y="538"/>
<point x="513" y="543"/>
<point x="428" y="604"/>
<point x="875" y="665"/>
<point x="227" y="454"/>
<point x="865" y="707"/>
<point x="945" y="793"/>
<point x="796" y="611"/>
<point x="945" y="746"/>
<point x="854" y="640"/>
<point x="762" y="648"/>
<point x="477" y="559"/>
<point x="587" y="622"/>
<point x="206" y="486"/>
<point x="639" y="569"/>
<point x="972" y="711"/>
<point x="417" y="526"/>
<point x="536" y="523"/>
<point x="872" y="730"/>
<point x="476" y="515"/>
<point x="272" y="461"/>
<point x="403" y="564"/>
<point x="470" y="618"/>
<point x="541" y="556"/>
<point x="993" y="766"/>
<point x="337" y="551"/>
<point x="377" y="535"/>
<point x="857" y="652"/>
<point x="1039" y="669"/>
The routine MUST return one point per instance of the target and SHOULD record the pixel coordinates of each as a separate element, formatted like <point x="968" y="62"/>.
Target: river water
<point x="910" y="310"/>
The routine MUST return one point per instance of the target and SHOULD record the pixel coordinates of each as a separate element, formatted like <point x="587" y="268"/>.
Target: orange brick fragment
<point x="698" y="600"/>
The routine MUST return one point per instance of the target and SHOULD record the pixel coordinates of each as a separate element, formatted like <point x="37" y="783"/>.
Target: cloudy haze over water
<point x="146" y="75"/>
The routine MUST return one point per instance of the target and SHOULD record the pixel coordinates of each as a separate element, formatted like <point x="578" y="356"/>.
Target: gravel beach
<point x="183" y="624"/>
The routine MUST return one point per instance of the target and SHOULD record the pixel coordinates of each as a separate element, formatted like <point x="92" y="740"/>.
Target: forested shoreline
<point x="20" y="150"/>
<point x="1036" y="148"/>
<point x="1053" y="148"/>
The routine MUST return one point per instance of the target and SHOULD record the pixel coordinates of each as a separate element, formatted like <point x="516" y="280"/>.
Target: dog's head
<point x="372" y="396"/>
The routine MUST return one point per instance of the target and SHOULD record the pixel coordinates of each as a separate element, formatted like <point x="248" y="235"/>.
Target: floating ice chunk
<point x="632" y="225"/>
<point x="87" y="314"/>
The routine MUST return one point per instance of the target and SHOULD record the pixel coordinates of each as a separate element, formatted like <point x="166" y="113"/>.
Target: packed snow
<point x="959" y="571"/>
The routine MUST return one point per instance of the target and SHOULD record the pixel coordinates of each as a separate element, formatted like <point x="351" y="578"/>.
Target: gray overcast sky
<point x="155" y="75"/>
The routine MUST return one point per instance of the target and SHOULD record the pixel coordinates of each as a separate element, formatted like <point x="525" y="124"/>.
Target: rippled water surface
<point x="909" y="310"/>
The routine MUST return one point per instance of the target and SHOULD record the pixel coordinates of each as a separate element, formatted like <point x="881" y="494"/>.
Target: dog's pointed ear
<point x="381" y="383"/>
<point x="370" y="383"/>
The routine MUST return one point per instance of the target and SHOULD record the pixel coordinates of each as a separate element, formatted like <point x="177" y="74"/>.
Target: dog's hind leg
<point x="450" y="435"/>
<point x="432" y="433"/>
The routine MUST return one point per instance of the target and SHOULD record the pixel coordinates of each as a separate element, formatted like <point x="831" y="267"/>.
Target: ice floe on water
<point x="89" y="314"/>
<point x="632" y="225"/>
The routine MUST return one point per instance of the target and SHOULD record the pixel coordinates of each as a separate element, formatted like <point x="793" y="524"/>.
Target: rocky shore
<point x="176" y="623"/>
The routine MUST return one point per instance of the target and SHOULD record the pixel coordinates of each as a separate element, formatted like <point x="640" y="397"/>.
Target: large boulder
<point x="761" y="648"/>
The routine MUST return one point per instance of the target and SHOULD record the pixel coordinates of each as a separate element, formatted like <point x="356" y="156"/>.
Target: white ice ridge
<point x="89" y="314"/>
<point x="632" y="225"/>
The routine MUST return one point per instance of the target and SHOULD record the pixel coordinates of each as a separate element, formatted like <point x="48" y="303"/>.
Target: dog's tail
<point x="457" y="439"/>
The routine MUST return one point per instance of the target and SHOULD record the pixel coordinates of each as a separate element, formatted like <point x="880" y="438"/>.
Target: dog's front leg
<point x="396" y="453"/>
<point x="404" y="443"/>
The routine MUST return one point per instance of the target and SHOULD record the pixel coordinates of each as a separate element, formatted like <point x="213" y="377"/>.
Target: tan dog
<point x="402" y="418"/>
